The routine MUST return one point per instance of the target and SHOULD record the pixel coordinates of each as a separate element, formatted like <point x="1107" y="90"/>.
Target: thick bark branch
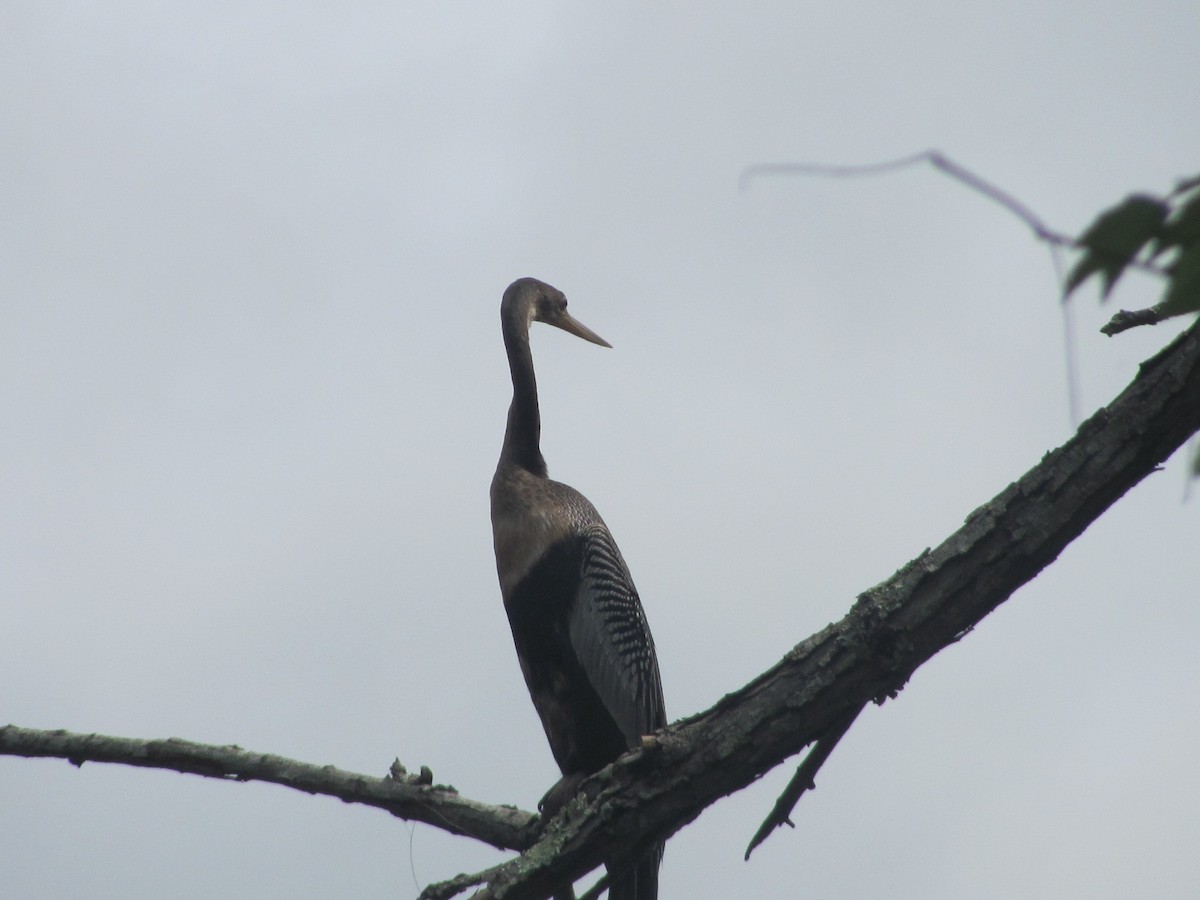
<point x="820" y="685"/>
<point x="406" y="797"/>
<point x="890" y="631"/>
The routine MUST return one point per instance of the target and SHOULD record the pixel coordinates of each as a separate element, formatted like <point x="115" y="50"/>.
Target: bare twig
<point x="935" y="158"/>
<point x="444" y="890"/>
<point x="596" y="891"/>
<point x="960" y="173"/>
<point x="1126" y="319"/>
<point x="404" y="796"/>
<point x="803" y="780"/>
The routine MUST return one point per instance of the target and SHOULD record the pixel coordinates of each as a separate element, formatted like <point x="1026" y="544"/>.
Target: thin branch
<point x="406" y="797"/>
<point x="1126" y="319"/>
<point x="596" y="891"/>
<point x="444" y="890"/>
<point x="947" y="166"/>
<point x="803" y="780"/>
<point x="935" y="158"/>
<point x="806" y="773"/>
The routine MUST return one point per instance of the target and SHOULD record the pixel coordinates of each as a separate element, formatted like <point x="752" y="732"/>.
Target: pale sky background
<point x="253" y="391"/>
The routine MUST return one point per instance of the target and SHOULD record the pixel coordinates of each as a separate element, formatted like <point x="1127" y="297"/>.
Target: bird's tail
<point x="639" y="881"/>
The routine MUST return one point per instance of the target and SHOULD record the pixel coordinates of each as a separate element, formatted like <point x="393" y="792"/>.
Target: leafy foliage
<point x="1115" y="239"/>
<point x="1161" y="235"/>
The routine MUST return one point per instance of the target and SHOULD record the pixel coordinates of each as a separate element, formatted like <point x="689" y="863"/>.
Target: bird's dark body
<point x="577" y="621"/>
<point x="583" y="735"/>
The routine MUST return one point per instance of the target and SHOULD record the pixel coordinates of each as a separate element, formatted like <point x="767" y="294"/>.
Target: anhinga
<point x="581" y="636"/>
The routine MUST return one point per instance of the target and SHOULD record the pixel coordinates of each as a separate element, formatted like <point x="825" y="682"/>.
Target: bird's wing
<point x="612" y="640"/>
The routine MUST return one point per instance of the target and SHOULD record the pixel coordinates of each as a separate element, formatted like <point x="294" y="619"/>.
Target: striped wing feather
<point x="611" y="639"/>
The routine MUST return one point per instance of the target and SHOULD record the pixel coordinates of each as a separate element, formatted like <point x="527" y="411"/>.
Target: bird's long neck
<point x="522" y="437"/>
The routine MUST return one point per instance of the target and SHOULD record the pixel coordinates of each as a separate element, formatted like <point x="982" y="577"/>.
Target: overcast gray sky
<point x="253" y="391"/>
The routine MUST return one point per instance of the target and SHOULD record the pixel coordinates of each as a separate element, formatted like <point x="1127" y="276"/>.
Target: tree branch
<point x="960" y="173"/>
<point x="935" y="158"/>
<point x="406" y="797"/>
<point x="803" y="780"/>
<point x="870" y="654"/>
<point x="1126" y="319"/>
<point x="811" y="695"/>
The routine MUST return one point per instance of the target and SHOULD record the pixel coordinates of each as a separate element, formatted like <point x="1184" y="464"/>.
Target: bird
<point x="580" y="632"/>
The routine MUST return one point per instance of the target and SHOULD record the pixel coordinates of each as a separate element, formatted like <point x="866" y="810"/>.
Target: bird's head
<point x="528" y="300"/>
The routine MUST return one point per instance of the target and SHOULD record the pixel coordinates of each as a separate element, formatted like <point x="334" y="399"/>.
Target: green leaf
<point x="1115" y="238"/>
<point x="1181" y="229"/>
<point x="1183" y="290"/>
<point x="1185" y="185"/>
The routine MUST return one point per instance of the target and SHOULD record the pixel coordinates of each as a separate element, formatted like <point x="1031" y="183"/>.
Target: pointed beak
<point x="577" y="328"/>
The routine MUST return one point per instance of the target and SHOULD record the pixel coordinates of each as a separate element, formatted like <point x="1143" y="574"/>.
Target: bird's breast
<point x="520" y="540"/>
<point x="529" y="516"/>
